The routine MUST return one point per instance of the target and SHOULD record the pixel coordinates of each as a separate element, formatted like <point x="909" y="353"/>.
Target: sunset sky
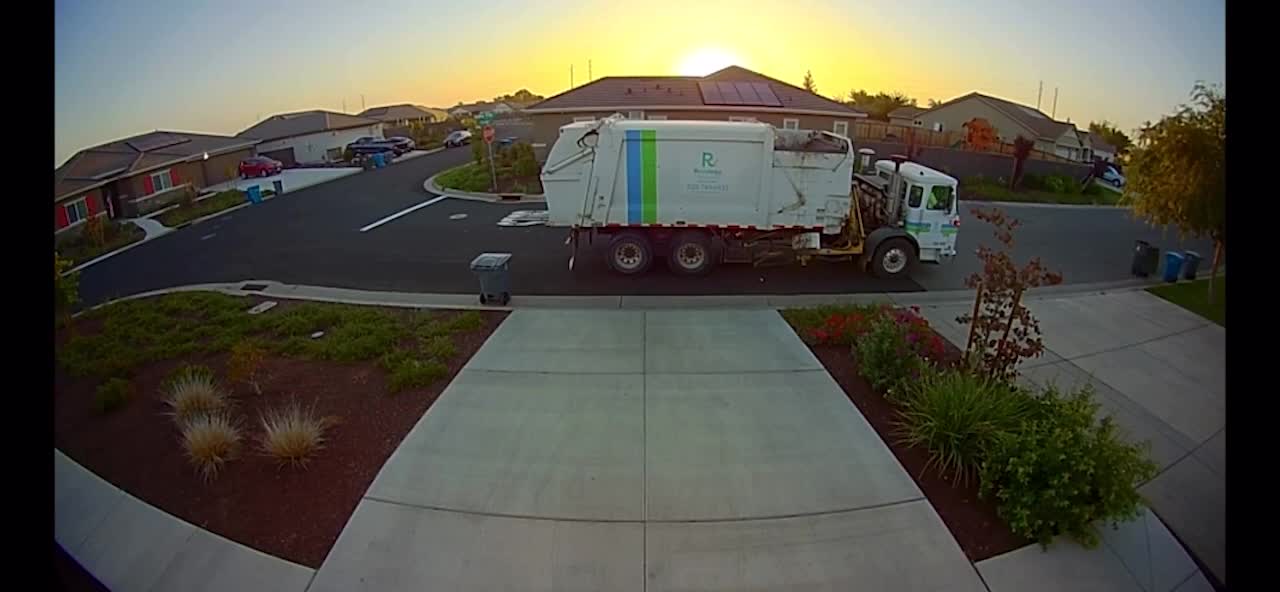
<point x="124" y="67"/>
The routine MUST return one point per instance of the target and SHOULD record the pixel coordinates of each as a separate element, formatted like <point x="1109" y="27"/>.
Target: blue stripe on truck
<point x="634" y="177"/>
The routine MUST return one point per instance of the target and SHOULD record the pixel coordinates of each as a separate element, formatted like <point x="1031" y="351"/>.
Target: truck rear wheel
<point x="691" y="253"/>
<point x="630" y="253"/>
<point x="893" y="259"/>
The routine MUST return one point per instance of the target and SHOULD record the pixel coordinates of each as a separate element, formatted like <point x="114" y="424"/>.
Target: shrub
<point x="66" y="289"/>
<point x="193" y="393"/>
<point x="465" y="321"/>
<point x="210" y="441"/>
<point x="293" y="434"/>
<point x="112" y="395"/>
<point x="885" y="359"/>
<point x="525" y="164"/>
<point x="1054" y="184"/>
<point x="958" y="416"/>
<point x="1062" y="471"/>
<point x="1032" y="182"/>
<point x="245" y="364"/>
<point x="439" y="348"/>
<point x="408" y="372"/>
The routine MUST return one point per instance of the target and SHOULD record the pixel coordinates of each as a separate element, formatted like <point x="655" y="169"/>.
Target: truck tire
<point x="630" y="253"/>
<point x="893" y="259"/>
<point x="691" y="254"/>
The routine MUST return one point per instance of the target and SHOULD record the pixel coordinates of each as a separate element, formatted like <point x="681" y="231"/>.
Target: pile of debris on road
<point x="524" y="218"/>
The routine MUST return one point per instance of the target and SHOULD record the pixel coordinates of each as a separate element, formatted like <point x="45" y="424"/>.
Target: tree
<point x="66" y="288"/>
<point x="1021" y="151"/>
<point x="879" y="105"/>
<point x="1177" y="171"/>
<point x="809" y="84"/>
<point x="933" y="103"/>
<point x="1111" y="135"/>
<point x="521" y="96"/>
<point x="979" y="135"/>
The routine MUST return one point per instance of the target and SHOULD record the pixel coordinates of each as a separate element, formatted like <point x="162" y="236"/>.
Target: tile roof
<point x="98" y="165"/>
<point x="288" y="125"/>
<point x="397" y="112"/>
<point x="907" y="112"/>
<point x="620" y="92"/>
<point x="1097" y="142"/>
<point x="1031" y="118"/>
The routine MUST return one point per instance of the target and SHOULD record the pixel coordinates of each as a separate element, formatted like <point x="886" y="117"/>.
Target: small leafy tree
<point x="245" y="365"/>
<point x="1177" y="172"/>
<point x="979" y="135"/>
<point x="1111" y="135"/>
<point x="809" y="84"/>
<point x="94" y="231"/>
<point x="1002" y="331"/>
<point x="66" y="288"/>
<point x="1021" y="151"/>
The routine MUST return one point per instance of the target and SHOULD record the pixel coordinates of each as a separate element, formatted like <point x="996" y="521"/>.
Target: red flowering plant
<point x="844" y="328"/>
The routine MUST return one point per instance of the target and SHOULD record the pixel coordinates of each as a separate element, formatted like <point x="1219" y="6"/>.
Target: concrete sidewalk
<point x="1160" y="372"/>
<point x="644" y="450"/>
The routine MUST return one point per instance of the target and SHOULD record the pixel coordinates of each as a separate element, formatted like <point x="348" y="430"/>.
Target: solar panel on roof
<point x="710" y="93"/>
<point x="729" y="93"/>
<point x="765" y="92"/>
<point x="748" y="94"/>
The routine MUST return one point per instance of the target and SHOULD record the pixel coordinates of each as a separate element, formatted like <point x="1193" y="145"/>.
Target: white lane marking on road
<point x="408" y="210"/>
<point x="207" y="237"/>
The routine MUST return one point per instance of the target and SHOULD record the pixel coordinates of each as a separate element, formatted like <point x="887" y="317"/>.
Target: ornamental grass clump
<point x="193" y="393"/>
<point x="292" y="434"/>
<point x="210" y="441"/>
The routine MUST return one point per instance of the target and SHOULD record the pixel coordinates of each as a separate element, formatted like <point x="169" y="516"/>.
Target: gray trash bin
<point x="494" y="272"/>
<point x="1146" y="259"/>
<point x="1190" y="264"/>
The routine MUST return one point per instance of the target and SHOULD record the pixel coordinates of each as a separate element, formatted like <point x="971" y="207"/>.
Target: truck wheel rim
<point x="628" y="256"/>
<point x="691" y="256"/>
<point x="895" y="260"/>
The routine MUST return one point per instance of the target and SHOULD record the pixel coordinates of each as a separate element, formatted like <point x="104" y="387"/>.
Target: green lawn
<point x="1194" y="296"/>
<point x="468" y="177"/>
<point x="993" y="192"/>
<point x="209" y="205"/>
<point x="79" y="248"/>
<point x="412" y="346"/>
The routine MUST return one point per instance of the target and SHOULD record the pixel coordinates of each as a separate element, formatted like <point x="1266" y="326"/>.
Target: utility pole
<point x="361" y="102"/>
<point x="570" y="75"/>
<point x="344" y="105"/>
<point x="1038" y="93"/>
<point x="1055" y="103"/>
<point x="589" y="78"/>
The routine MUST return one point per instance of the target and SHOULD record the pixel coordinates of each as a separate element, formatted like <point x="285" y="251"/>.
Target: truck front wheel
<point x="691" y="253"/>
<point x="893" y="258"/>
<point x="630" y="253"/>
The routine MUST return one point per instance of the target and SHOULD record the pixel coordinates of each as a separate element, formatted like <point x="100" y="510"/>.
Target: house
<point x="733" y="94"/>
<point x="1010" y="120"/>
<point x="906" y="116"/>
<point x="470" y="109"/>
<point x="1101" y="149"/>
<point x="121" y="178"/>
<point x="308" y="137"/>
<point x="404" y="114"/>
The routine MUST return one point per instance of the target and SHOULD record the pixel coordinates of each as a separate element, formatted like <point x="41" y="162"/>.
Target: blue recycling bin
<point x="379" y="161"/>
<point x="1172" y="265"/>
<point x="278" y="186"/>
<point x="254" y="193"/>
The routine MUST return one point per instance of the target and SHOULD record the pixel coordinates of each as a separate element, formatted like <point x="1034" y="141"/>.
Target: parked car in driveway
<point x="370" y="145"/>
<point x="402" y="144"/>
<point x="260" y="166"/>
<point x="457" y="138"/>
<point x="1113" y="176"/>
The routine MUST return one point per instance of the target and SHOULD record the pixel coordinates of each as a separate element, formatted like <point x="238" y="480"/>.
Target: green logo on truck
<point x="708" y="160"/>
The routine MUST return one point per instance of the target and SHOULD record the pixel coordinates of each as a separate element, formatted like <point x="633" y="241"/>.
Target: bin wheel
<point x="506" y="297"/>
<point x="483" y="300"/>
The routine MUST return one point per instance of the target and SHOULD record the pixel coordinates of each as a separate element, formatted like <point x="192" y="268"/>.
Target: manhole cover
<point x="253" y="287"/>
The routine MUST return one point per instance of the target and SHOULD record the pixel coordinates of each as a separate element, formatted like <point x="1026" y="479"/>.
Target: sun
<point x="705" y="61"/>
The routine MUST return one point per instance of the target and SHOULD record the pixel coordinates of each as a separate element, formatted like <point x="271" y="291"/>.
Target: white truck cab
<point x="929" y="209"/>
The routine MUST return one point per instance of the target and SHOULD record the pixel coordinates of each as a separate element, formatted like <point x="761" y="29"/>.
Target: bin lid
<point x="866" y="151"/>
<point x="490" y="261"/>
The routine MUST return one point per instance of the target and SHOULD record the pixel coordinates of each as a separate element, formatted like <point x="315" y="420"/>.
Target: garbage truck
<point x="702" y="193"/>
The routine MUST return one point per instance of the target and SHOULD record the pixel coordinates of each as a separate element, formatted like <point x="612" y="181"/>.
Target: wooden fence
<point x="879" y="131"/>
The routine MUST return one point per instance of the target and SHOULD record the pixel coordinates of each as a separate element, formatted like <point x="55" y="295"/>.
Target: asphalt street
<point x="313" y="236"/>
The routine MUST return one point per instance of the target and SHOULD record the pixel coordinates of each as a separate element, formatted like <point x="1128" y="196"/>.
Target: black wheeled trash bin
<point x="1190" y="263"/>
<point x="494" y="272"/>
<point x="1146" y="259"/>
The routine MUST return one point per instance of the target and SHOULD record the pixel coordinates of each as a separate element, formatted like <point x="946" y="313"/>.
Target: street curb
<point x="430" y="186"/>
<point x="469" y="301"/>
<point x="1003" y="204"/>
<point x="105" y="256"/>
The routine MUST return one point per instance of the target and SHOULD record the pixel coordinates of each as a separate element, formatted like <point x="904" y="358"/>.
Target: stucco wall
<point x="314" y="148"/>
<point x="954" y="116"/>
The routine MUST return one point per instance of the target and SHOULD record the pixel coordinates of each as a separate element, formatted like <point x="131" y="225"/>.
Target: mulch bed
<point x="295" y="514"/>
<point x="971" y="520"/>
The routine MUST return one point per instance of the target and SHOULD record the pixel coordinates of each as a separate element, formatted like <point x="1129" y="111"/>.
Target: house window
<point x="940" y="198"/>
<point x="582" y="119"/>
<point x="76" y="211"/>
<point x="635" y="114"/>
<point x="841" y="128"/>
<point x="161" y="181"/>
<point x="657" y="118"/>
<point x="741" y="119"/>
<point x="790" y="123"/>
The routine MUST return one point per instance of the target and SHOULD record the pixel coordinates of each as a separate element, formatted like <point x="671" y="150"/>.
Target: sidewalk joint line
<point x="645" y="520"/>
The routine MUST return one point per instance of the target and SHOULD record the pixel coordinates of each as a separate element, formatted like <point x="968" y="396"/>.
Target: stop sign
<point x="488" y="134"/>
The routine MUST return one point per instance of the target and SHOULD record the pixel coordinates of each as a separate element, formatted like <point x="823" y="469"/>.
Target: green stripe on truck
<point x="649" y="176"/>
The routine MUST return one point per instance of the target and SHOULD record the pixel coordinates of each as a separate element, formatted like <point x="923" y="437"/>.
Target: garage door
<point x="284" y="155"/>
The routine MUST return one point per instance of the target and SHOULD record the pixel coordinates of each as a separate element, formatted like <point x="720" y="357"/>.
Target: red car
<point x="259" y="166"/>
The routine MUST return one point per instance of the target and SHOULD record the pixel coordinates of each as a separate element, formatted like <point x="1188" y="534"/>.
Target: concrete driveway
<point x="293" y="179"/>
<point x="637" y="450"/>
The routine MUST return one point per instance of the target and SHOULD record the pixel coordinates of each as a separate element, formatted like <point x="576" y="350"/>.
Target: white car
<point x="1113" y="177"/>
<point x="457" y="138"/>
